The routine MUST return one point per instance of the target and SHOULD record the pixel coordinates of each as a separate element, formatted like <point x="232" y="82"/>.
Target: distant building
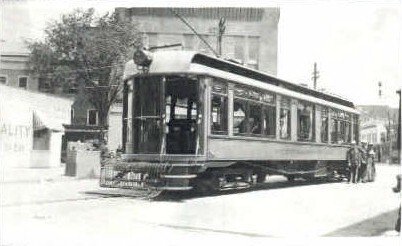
<point x="373" y="132"/>
<point x="250" y="37"/>
<point x="378" y="126"/>
<point x="15" y="72"/>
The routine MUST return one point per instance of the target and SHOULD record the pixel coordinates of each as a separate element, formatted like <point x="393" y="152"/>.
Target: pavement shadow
<point x="371" y="227"/>
<point x="182" y="196"/>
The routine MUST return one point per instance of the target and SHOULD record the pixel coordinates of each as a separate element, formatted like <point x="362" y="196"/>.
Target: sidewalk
<point x="20" y="186"/>
<point x="31" y="175"/>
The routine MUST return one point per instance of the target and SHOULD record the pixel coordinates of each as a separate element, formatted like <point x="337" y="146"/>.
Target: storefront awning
<point x="44" y="121"/>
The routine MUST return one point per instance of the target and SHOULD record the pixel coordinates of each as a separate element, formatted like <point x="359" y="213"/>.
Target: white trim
<point x="6" y="76"/>
<point x="23" y="76"/>
<point x="97" y="117"/>
<point x="197" y="68"/>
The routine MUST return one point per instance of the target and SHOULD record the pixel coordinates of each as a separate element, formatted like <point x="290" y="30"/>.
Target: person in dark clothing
<point x="362" y="172"/>
<point x="354" y="162"/>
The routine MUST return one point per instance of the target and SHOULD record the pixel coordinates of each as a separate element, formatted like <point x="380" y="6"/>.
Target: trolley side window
<point x="340" y="127"/>
<point x="269" y="114"/>
<point x="240" y="110"/>
<point x="324" y="124"/>
<point x="305" y="121"/>
<point x="219" y="109"/>
<point x="254" y="113"/>
<point x="285" y="119"/>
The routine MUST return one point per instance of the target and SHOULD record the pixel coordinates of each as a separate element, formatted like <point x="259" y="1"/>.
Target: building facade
<point x="31" y="127"/>
<point x="250" y="36"/>
<point x="15" y="72"/>
<point x="379" y="128"/>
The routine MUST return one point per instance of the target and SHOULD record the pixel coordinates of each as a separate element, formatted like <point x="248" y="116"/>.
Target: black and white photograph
<point x="200" y="122"/>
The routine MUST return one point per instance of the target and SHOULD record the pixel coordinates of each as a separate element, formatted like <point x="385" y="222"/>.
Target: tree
<point x="89" y="50"/>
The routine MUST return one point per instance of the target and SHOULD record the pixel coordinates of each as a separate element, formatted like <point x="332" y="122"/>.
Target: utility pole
<point x="380" y="90"/>
<point x="316" y="75"/>
<point x="399" y="127"/>
<point x="221" y="31"/>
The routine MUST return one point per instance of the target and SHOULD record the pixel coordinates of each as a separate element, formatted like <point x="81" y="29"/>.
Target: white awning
<point x="42" y="121"/>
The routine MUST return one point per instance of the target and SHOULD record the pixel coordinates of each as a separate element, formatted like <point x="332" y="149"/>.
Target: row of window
<point x="255" y="112"/>
<point x="244" y="49"/>
<point x="22" y="81"/>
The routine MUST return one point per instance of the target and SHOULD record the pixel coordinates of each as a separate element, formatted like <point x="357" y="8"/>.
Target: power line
<point x="194" y="31"/>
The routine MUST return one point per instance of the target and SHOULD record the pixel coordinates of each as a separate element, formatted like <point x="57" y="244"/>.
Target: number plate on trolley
<point x="122" y="179"/>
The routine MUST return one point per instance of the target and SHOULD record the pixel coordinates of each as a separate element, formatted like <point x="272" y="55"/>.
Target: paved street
<point x="67" y="212"/>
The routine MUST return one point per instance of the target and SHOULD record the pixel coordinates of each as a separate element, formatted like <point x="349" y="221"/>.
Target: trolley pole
<point x="316" y="75"/>
<point x="399" y="128"/>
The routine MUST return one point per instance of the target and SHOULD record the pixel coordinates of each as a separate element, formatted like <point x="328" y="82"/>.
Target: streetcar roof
<point x="175" y="61"/>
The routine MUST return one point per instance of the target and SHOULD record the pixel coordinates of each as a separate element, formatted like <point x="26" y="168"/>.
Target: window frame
<point x="289" y="108"/>
<point x="225" y="95"/>
<point x="27" y="82"/>
<point x="6" y="77"/>
<point x="322" y="117"/>
<point x="256" y="97"/>
<point x="97" y="117"/>
<point x="313" y="123"/>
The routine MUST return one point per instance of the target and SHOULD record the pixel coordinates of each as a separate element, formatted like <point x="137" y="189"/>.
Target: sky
<point x="356" y="44"/>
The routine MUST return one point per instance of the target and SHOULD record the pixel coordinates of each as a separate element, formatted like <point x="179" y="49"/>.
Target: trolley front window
<point x="167" y="115"/>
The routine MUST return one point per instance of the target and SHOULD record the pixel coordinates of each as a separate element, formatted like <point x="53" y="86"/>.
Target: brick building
<point x="250" y="37"/>
<point x="14" y="71"/>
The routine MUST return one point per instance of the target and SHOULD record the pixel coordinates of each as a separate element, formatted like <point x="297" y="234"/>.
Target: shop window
<point x="92" y="117"/>
<point x="3" y="79"/>
<point x="219" y="109"/>
<point x="23" y="82"/>
<point x="285" y="119"/>
<point x="324" y="125"/>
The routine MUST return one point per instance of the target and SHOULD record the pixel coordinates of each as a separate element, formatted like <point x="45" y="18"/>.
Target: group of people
<point x="361" y="163"/>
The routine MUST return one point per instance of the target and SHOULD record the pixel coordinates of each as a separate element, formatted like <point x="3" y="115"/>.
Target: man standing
<point x="362" y="173"/>
<point x="370" y="163"/>
<point x="354" y="161"/>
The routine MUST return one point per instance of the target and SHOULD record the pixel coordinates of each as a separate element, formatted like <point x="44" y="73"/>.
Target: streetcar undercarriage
<point x="200" y="177"/>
